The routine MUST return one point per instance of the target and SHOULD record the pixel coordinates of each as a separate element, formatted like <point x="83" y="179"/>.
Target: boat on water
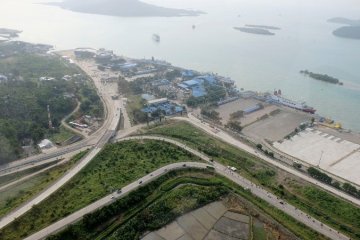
<point x="156" y="37"/>
<point x="279" y="99"/>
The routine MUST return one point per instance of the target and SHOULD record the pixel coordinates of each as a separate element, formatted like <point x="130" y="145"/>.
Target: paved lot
<point x="276" y="127"/>
<point x="333" y="154"/>
<point x="240" y="105"/>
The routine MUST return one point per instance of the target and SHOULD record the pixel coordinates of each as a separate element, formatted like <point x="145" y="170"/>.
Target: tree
<point x="234" y="125"/>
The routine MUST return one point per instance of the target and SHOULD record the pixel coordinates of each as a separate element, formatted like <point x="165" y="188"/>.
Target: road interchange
<point x="219" y="169"/>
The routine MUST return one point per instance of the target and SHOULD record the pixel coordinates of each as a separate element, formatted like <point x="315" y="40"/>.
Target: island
<point x="123" y="8"/>
<point x="263" y="27"/>
<point x="259" y="31"/>
<point x="351" y="31"/>
<point x="321" y="77"/>
<point x="9" y="33"/>
<point x="346" y="21"/>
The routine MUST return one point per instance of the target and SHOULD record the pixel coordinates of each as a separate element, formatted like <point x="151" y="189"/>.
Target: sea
<point x="255" y="62"/>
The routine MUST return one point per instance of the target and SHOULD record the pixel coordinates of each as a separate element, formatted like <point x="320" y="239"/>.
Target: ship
<point x="279" y="99"/>
<point x="156" y="37"/>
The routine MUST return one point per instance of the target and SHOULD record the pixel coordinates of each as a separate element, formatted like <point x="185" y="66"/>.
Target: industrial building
<point x="197" y="85"/>
<point x="164" y="105"/>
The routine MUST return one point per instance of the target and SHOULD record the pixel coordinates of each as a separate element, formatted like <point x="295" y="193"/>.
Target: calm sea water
<point x="261" y="63"/>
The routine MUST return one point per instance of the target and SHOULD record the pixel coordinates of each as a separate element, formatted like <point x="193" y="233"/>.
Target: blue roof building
<point x="187" y="73"/>
<point x="198" y="91"/>
<point x="191" y="83"/>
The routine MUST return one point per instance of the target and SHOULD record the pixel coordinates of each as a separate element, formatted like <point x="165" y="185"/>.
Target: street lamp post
<point x="322" y="152"/>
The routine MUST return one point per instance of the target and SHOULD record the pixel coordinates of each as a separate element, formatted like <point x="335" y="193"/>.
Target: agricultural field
<point x="114" y="167"/>
<point x="319" y="204"/>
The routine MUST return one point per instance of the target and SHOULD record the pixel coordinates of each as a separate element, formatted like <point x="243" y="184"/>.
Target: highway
<point x="220" y="169"/>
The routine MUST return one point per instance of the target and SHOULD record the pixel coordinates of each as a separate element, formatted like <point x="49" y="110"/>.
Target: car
<point x="112" y="197"/>
<point x="184" y="165"/>
<point x="119" y="191"/>
<point x="281" y="202"/>
<point x="140" y="182"/>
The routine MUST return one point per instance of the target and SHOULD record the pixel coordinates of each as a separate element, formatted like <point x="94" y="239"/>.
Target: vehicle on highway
<point x="119" y="191"/>
<point x="184" y="165"/>
<point x="140" y="182"/>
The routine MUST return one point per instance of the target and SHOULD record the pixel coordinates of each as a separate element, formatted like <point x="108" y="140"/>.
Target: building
<point x="164" y="105"/>
<point x="45" y="144"/>
<point x="85" y="52"/>
<point x="43" y="79"/>
<point x="187" y="74"/>
<point x="160" y="83"/>
<point x="3" y="78"/>
<point x="103" y="55"/>
<point x="157" y="101"/>
<point x="147" y="97"/>
<point x="197" y="85"/>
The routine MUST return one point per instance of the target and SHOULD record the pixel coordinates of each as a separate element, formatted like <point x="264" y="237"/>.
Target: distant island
<point x="6" y="32"/>
<point x="263" y="27"/>
<point x="351" y="31"/>
<point x="345" y="21"/>
<point x="321" y="77"/>
<point x="123" y="8"/>
<point x="259" y="31"/>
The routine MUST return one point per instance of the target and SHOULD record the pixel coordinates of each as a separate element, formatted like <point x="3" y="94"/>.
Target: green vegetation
<point x="315" y="173"/>
<point x="214" y="94"/>
<point x="19" y="193"/>
<point x="161" y="201"/>
<point x="321" y="77"/>
<point x="179" y="201"/>
<point x="24" y="100"/>
<point x="259" y="231"/>
<point x="234" y="125"/>
<point x="114" y="167"/>
<point x="61" y="136"/>
<point x="150" y="207"/>
<point x="280" y="183"/>
<point x="237" y="114"/>
<point x="6" y="179"/>
<point x="211" y="114"/>
<point x="323" y="177"/>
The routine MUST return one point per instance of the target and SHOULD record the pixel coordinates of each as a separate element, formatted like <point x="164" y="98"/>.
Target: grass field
<point x="17" y="194"/>
<point x="116" y="166"/>
<point x="62" y="135"/>
<point x="332" y="210"/>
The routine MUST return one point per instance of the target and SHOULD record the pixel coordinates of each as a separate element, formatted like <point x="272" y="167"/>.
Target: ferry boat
<point x="279" y="99"/>
<point x="156" y="37"/>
